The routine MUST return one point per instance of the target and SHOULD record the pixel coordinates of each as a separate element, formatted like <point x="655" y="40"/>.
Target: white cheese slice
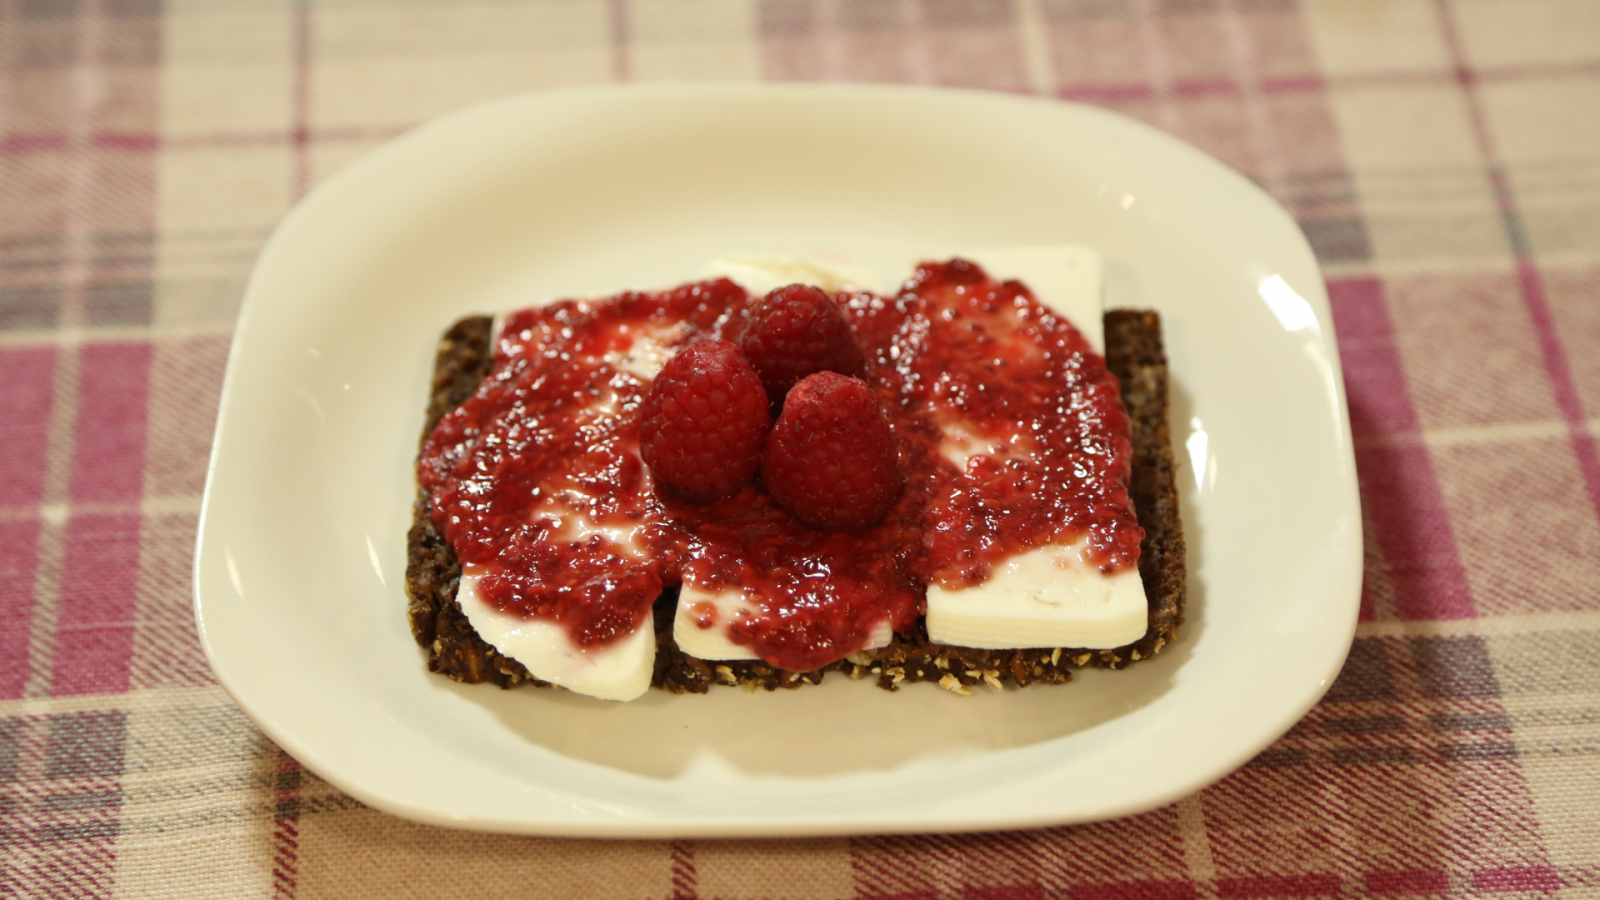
<point x="1068" y="279"/>
<point x="761" y="276"/>
<point x="1047" y="597"/>
<point x="620" y="671"/>
<point x="650" y="350"/>
<point x="726" y="607"/>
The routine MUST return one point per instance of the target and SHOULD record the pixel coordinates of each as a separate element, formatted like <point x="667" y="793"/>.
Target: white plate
<point x="302" y="540"/>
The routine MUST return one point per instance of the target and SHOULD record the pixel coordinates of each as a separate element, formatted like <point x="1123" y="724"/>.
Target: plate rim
<point x="888" y="823"/>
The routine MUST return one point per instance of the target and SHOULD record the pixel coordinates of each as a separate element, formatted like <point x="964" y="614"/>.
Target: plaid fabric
<point x="1443" y="156"/>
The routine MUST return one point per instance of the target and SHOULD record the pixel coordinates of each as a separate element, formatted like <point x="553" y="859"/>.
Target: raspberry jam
<point x="1011" y="435"/>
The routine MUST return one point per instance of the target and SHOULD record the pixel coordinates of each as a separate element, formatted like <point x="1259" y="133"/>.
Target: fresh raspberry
<point x="831" y="459"/>
<point x="701" y="427"/>
<point x="795" y="331"/>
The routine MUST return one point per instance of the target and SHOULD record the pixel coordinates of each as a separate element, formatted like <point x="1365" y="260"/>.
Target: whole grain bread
<point x="1134" y="353"/>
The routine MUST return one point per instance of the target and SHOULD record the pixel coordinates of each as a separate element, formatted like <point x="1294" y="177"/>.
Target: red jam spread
<point x="537" y="483"/>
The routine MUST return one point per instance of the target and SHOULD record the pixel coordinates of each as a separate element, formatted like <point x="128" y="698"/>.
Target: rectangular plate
<point x="300" y="565"/>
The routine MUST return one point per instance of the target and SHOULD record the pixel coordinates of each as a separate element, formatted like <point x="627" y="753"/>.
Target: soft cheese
<point x="1050" y="596"/>
<point x="763" y="275"/>
<point x="700" y="626"/>
<point x="620" y="671"/>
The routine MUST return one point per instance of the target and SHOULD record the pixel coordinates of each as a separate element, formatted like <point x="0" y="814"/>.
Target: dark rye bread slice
<point x="1133" y="353"/>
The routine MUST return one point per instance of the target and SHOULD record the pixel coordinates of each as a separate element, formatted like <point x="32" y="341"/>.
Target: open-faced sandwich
<point x="777" y="471"/>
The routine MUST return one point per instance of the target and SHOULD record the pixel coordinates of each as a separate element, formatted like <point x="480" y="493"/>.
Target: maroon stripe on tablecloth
<point x="1318" y="885"/>
<point x="1398" y="483"/>
<point x="1565" y="388"/>
<point x="133" y="143"/>
<point x="25" y="144"/>
<point x="100" y="561"/>
<point x="1375" y="378"/>
<point x="1207" y="88"/>
<point x="1409" y="881"/>
<point x="286" y="828"/>
<point x="28" y="377"/>
<point x="19" y="555"/>
<point x="94" y="624"/>
<point x="109" y="441"/>
<point x="1517" y="879"/>
<point x="617" y="16"/>
<point x="1170" y="889"/>
<point x="300" y="103"/>
<point x="685" y="886"/>
<point x="1106" y="93"/>
<point x="1004" y="892"/>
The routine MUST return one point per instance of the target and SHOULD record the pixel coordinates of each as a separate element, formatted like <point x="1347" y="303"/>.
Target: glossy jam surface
<point x="1011" y="433"/>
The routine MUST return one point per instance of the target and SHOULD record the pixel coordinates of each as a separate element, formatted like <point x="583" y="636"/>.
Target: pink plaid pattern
<point x="1442" y="157"/>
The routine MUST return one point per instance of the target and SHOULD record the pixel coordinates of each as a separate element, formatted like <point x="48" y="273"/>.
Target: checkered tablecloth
<point x="1443" y="157"/>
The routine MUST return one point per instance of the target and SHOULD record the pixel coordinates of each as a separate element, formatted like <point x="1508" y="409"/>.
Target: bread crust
<point x="1134" y="354"/>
